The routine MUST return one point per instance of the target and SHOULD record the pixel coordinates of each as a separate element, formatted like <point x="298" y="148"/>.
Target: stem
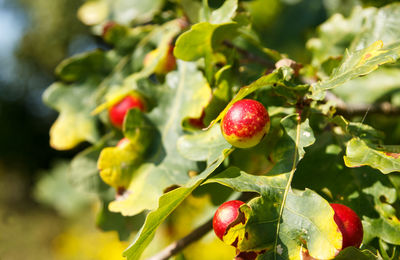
<point x="288" y="184"/>
<point x="179" y="245"/>
<point x="195" y="235"/>
<point x="250" y="56"/>
<point x="343" y="108"/>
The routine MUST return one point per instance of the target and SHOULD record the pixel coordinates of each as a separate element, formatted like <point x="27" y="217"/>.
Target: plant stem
<point x="250" y="56"/>
<point x="193" y="236"/>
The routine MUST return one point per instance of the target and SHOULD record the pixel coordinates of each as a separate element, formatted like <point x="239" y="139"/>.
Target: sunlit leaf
<point x="165" y="167"/>
<point x="224" y="13"/>
<point x="75" y="124"/>
<point x="168" y="203"/>
<point x="360" y="153"/>
<point x="201" y="145"/>
<point x="307" y="220"/>
<point x="357" y="63"/>
<point x="200" y="41"/>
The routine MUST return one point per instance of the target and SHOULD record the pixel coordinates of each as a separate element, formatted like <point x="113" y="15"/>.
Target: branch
<point x="195" y="235"/>
<point x="250" y="56"/>
<point x="343" y="108"/>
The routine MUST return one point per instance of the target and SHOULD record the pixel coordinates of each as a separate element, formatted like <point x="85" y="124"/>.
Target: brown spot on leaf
<point x="192" y="173"/>
<point x="394" y="155"/>
<point x="170" y="188"/>
<point x="120" y="191"/>
<point x="246" y="256"/>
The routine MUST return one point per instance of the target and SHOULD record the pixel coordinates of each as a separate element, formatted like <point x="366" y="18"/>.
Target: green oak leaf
<point x="290" y="148"/>
<point x="164" y="167"/>
<point x="351" y="253"/>
<point x="380" y="24"/>
<point x="360" y="153"/>
<point x="384" y="228"/>
<point x="201" y="40"/>
<point x="201" y="145"/>
<point x="355" y="64"/>
<point x="54" y="190"/>
<point x="337" y="33"/>
<point x="357" y="129"/>
<point x="387" y="226"/>
<point x="306" y="220"/>
<point x="75" y="124"/>
<point x="121" y="11"/>
<point x="126" y="11"/>
<point x="370" y="88"/>
<point x="221" y="93"/>
<point x="79" y="67"/>
<point x="108" y="221"/>
<point x="225" y="13"/>
<point x="83" y="173"/>
<point x="362" y="28"/>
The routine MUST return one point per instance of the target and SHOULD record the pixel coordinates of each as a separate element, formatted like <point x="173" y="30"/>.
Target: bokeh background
<point x="41" y="216"/>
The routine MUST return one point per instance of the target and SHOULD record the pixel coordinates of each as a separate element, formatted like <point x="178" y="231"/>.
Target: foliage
<point x="317" y="152"/>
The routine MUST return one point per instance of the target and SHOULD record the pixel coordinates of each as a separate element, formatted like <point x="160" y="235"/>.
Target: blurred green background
<point x="41" y="216"/>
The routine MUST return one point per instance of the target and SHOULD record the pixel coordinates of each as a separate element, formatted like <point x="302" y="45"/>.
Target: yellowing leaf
<point x="74" y="124"/>
<point x="359" y="153"/>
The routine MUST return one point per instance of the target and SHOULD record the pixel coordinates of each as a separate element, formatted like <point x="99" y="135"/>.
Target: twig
<point x="343" y="108"/>
<point x="195" y="235"/>
<point x="250" y="56"/>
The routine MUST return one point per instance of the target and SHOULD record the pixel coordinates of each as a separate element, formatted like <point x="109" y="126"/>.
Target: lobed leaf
<point x="360" y="153"/>
<point x="225" y="13"/>
<point x="166" y="205"/>
<point x="186" y="93"/>
<point x="75" y="124"/>
<point x="290" y="148"/>
<point x="307" y="220"/>
<point x="355" y="64"/>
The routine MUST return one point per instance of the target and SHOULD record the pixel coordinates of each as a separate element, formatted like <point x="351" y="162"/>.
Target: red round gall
<point x="118" y="111"/>
<point x="245" y="123"/>
<point x="349" y="225"/>
<point x="227" y="213"/>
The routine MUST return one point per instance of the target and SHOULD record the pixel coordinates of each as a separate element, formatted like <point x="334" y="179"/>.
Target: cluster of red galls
<point x="243" y="126"/>
<point x="346" y="219"/>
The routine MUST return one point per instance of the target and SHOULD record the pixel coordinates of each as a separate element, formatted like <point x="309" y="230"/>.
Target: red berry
<point x="227" y="213"/>
<point x="349" y="225"/>
<point x="118" y="111"/>
<point x="245" y="123"/>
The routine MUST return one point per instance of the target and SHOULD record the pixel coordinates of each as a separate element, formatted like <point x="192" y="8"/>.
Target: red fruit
<point x="245" y="123"/>
<point x="227" y="213"/>
<point x="349" y="225"/>
<point x="118" y="111"/>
